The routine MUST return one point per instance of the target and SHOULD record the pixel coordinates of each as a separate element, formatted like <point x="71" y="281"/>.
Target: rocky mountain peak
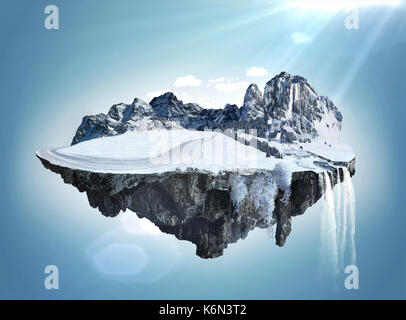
<point x="135" y="111"/>
<point x="117" y="110"/>
<point x="296" y="109"/>
<point x="169" y="106"/>
<point x="168" y="97"/>
<point x="284" y="94"/>
<point x="253" y="107"/>
<point x="230" y="113"/>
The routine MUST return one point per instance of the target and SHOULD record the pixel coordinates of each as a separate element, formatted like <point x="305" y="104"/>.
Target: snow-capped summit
<point x="120" y="118"/>
<point x="167" y="105"/>
<point x="253" y="107"/>
<point x="135" y="111"/>
<point x="286" y="95"/>
<point x="230" y="113"/>
<point x="296" y="111"/>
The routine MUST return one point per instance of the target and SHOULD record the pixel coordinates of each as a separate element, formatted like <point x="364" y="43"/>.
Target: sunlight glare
<point x="335" y="5"/>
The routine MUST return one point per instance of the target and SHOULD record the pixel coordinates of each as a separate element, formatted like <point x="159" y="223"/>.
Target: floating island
<point x="210" y="176"/>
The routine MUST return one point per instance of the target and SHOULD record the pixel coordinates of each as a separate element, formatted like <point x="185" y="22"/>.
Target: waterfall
<point x="338" y="223"/>
<point x="290" y="103"/>
<point x="329" y="227"/>
<point x="343" y="241"/>
<point x="350" y="196"/>
<point x="339" y="218"/>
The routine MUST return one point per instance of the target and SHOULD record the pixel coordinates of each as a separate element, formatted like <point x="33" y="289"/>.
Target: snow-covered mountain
<point x="168" y="106"/>
<point x="289" y="110"/>
<point x="296" y="111"/>
<point x="138" y="116"/>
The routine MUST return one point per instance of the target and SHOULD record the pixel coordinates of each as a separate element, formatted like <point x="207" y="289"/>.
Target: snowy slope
<point x="164" y="150"/>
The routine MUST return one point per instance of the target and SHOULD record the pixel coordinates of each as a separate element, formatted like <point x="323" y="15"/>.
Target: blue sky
<point x="107" y="52"/>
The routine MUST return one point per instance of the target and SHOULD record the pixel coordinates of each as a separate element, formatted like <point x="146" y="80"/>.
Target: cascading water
<point x="290" y="104"/>
<point x="338" y="223"/>
<point x="350" y="195"/>
<point x="339" y="218"/>
<point x="329" y="227"/>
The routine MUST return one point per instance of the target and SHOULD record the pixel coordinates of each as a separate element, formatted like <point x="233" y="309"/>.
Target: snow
<point x="283" y="176"/>
<point x="239" y="191"/>
<point x="338" y="152"/>
<point x="262" y="192"/>
<point x="157" y="151"/>
<point x="332" y="148"/>
<point x="162" y="150"/>
<point x="328" y="127"/>
<point x="261" y="189"/>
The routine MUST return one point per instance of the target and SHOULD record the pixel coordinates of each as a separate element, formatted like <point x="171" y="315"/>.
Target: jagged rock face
<point x="284" y="95"/>
<point x="230" y="113"/>
<point x="136" y="111"/>
<point x="121" y="118"/>
<point x="200" y="206"/>
<point x="92" y="127"/>
<point x="296" y="110"/>
<point x="253" y="107"/>
<point x="168" y="106"/>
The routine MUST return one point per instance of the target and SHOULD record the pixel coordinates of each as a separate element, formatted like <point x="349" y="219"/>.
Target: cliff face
<point x="208" y="209"/>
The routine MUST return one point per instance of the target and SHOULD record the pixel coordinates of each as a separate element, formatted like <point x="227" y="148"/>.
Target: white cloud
<point x="231" y="86"/>
<point x="214" y="94"/>
<point x="217" y="80"/>
<point x="299" y="37"/>
<point x="156" y="93"/>
<point x="187" y="97"/>
<point x="256" y="72"/>
<point x="188" y="81"/>
<point x="223" y="79"/>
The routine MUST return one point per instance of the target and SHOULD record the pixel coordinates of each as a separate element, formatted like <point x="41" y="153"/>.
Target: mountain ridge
<point x="289" y="110"/>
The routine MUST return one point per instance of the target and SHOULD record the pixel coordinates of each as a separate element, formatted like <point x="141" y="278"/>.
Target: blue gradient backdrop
<point x="111" y="51"/>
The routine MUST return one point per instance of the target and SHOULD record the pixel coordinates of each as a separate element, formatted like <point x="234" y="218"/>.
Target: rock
<point x="253" y="107"/>
<point x="230" y="114"/>
<point x="298" y="110"/>
<point x="121" y="118"/>
<point x="167" y="106"/>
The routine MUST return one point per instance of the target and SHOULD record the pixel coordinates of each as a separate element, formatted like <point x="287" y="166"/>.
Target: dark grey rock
<point x="253" y="107"/>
